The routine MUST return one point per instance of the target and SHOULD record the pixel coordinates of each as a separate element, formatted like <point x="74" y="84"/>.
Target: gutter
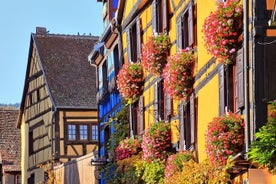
<point x="246" y="74"/>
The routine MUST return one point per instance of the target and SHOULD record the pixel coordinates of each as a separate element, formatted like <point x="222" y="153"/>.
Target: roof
<point x="10" y="141"/>
<point x="69" y="76"/>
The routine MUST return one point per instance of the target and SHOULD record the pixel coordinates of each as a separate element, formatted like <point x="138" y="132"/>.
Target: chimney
<point x="41" y="30"/>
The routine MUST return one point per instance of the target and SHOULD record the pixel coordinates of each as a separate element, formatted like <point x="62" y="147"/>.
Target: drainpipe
<point x="246" y="74"/>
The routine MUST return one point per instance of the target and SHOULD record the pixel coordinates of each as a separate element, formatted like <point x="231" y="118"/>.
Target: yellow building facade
<point x="218" y="87"/>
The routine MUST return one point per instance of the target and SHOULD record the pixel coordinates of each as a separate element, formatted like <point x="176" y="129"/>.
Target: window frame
<point x="187" y="124"/>
<point x="185" y="27"/>
<point x="134" y="41"/>
<point x="94" y="131"/>
<point x="78" y="129"/>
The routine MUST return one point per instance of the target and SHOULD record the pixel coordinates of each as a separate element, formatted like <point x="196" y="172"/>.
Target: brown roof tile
<point x="71" y="80"/>
<point x="10" y="141"/>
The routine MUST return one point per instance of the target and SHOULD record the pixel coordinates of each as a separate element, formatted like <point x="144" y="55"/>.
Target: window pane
<point x="83" y="132"/>
<point x="94" y="132"/>
<point x="72" y="132"/>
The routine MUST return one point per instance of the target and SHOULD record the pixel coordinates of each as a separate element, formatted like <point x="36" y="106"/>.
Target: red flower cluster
<point x="221" y="30"/>
<point x="156" y="141"/>
<point x="224" y="137"/>
<point x="127" y="148"/>
<point x="178" y="78"/>
<point x="154" y="53"/>
<point x="174" y="162"/>
<point x="130" y="80"/>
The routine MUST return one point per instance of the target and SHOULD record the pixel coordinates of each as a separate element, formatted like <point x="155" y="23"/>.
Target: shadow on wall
<point x="79" y="171"/>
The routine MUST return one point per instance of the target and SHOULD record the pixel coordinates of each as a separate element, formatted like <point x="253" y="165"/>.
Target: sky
<point x="18" y="19"/>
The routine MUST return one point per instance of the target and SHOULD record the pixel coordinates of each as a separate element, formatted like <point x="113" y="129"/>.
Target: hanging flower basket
<point x="127" y="147"/>
<point x="156" y="141"/>
<point x="224" y="137"/>
<point x="221" y="30"/>
<point x="154" y="53"/>
<point x="177" y="74"/>
<point x="130" y="80"/>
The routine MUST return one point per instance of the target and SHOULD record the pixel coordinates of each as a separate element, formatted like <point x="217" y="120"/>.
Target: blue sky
<point x="19" y="19"/>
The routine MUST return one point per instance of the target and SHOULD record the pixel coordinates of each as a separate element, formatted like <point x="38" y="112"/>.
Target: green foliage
<point x="263" y="149"/>
<point x="121" y="127"/>
<point x="154" y="172"/>
<point x="151" y="172"/>
<point x="182" y="157"/>
<point x="109" y="174"/>
<point x="201" y="173"/>
<point x="126" y="171"/>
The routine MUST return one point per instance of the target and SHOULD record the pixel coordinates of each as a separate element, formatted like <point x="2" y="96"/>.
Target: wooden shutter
<point x="221" y="91"/>
<point x="141" y="115"/>
<point x="192" y="118"/>
<point x="168" y="105"/>
<point x="240" y="79"/>
<point x="138" y="32"/>
<point x="165" y="16"/>
<point x="156" y="118"/>
<point x="131" y="120"/>
<point x="128" y="45"/>
<point x="191" y="25"/>
<point x="181" y="127"/>
<point x="154" y="17"/>
<point x="179" y="32"/>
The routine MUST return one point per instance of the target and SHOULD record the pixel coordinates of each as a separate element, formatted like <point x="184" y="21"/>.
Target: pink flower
<point x="232" y="50"/>
<point x="130" y="80"/>
<point x="154" y="53"/>
<point x="223" y="24"/>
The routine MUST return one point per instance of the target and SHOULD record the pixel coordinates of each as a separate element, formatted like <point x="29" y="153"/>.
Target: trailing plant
<point x="154" y="53"/>
<point x="178" y="75"/>
<point x="224" y="138"/>
<point x="126" y="170"/>
<point x="174" y="162"/>
<point x="221" y="30"/>
<point x="130" y="80"/>
<point x="151" y="172"/>
<point x="127" y="147"/>
<point x="263" y="148"/>
<point x="204" y="173"/>
<point x="156" y="142"/>
<point x="120" y="122"/>
<point x="109" y="173"/>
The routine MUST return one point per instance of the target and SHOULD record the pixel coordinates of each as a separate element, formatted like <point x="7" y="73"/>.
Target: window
<point x="159" y="16"/>
<point x="94" y="132"/>
<point x="185" y="28"/>
<point x="38" y="95"/>
<point x="231" y="86"/>
<point x="187" y="124"/>
<point x="159" y="101"/>
<point x="134" y="41"/>
<point x="83" y="132"/>
<point x="31" y="179"/>
<point x="72" y="132"/>
<point x="18" y="179"/>
<point x="134" y="118"/>
<point x="31" y="142"/>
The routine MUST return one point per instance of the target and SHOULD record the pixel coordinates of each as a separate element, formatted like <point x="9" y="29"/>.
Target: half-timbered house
<point x="58" y="113"/>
